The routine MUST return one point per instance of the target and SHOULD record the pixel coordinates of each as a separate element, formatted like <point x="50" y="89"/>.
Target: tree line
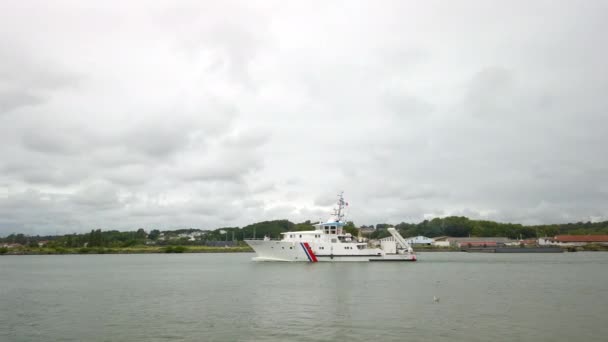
<point x="457" y="226"/>
<point x="460" y="226"/>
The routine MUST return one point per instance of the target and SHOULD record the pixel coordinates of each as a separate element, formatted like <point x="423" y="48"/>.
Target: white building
<point x="441" y="243"/>
<point x="574" y="240"/>
<point x="419" y="240"/>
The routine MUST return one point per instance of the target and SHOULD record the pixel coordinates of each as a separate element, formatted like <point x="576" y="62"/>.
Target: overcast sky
<point x="167" y="114"/>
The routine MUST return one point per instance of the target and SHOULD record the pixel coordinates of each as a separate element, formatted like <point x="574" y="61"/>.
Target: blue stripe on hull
<point x="306" y="251"/>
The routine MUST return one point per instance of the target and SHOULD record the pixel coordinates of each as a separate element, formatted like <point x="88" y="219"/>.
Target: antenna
<point x="341" y="203"/>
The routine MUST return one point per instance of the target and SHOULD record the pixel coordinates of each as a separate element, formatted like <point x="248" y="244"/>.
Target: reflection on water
<point x="226" y="297"/>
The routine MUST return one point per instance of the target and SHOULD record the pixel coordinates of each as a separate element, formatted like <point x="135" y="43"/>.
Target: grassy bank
<point x="124" y="250"/>
<point x="587" y="248"/>
<point x="206" y="249"/>
<point x="435" y="249"/>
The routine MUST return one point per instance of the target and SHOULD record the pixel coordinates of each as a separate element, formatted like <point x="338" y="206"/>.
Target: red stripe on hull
<point x="313" y="257"/>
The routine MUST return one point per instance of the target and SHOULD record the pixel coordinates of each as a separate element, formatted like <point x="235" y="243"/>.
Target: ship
<point x="329" y="242"/>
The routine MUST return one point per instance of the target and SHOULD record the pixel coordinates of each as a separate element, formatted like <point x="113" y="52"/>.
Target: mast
<point x="341" y="203"/>
<point x="336" y="218"/>
<point x="339" y="211"/>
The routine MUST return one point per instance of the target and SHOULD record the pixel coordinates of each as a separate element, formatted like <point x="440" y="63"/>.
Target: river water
<point x="227" y="297"/>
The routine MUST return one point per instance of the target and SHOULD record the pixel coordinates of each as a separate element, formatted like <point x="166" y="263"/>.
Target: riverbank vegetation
<point x="27" y="250"/>
<point x="459" y="226"/>
<point x="230" y="239"/>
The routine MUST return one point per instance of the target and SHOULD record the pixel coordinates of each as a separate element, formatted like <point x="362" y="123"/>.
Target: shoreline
<point x="202" y="249"/>
<point x="128" y="250"/>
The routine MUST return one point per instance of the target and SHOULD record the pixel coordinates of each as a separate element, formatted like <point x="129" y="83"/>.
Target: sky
<point x="205" y="114"/>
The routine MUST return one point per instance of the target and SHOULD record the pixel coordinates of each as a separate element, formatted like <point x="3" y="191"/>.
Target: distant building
<point x="461" y="242"/>
<point x="190" y="236"/>
<point x="574" y="240"/>
<point x="467" y="244"/>
<point x="12" y="245"/>
<point x="441" y="241"/>
<point x="383" y="226"/>
<point x="529" y="242"/>
<point x="419" y="240"/>
<point x="367" y="230"/>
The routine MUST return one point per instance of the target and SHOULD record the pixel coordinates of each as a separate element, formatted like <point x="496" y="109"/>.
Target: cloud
<point x="11" y="99"/>
<point x="24" y="81"/>
<point x="204" y="115"/>
<point x="99" y="195"/>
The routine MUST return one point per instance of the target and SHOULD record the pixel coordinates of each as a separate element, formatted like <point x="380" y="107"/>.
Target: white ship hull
<point x="288" y="251"/>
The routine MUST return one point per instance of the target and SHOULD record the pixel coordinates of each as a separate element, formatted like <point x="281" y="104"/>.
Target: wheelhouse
<point x="331" y="228"/>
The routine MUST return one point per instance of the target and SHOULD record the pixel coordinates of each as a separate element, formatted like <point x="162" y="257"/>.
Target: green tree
<point x="306" y="225"/>
<point x="154" y="234"/>
<point x="69" y="241"/>
<point x="457" y="226"/>
<point x="350" y="228"/>
<point x="140" y="235"/>
<point x="267" y="228"/>
<point x="95" y="238"/>
<point x="383" y="226"/>
<point x="20" y="239"/>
